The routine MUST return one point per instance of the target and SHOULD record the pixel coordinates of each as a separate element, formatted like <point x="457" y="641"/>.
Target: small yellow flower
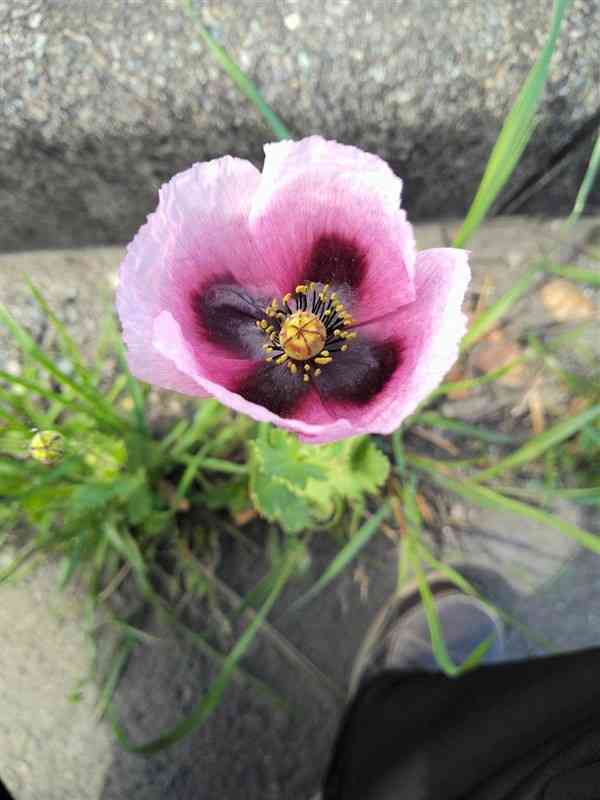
<point x="47" y="447"/>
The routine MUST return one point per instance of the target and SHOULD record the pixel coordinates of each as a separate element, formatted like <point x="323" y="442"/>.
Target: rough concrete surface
<point x="102" y="102"/>
<point x="50" y="748"/>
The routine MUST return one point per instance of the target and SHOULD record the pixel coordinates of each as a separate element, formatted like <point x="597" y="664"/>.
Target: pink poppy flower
<point x="294" y="295"/>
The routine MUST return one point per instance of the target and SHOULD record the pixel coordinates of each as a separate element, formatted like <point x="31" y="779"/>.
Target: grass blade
<point x="584" y="495"/>
<point x="440" y="651"/>
<point x="463" y="584"/>
<point x="489" y="318"/>
<point x="474" y="383"/>
<point x="437" y="639"/>
<point x="91" y="397"/>
<point x="537" y="445"/>
<point x="515" y="134"/>
<point x="431" y="419"/>
<point x="211" y="699"/>
<point x="241" y="80"/>
<point x="67" y="343"/>
<point x="579" y="274"/>
<point x="488" y="498"/>
<point x="126" y="545"/>
<point x="345" y="556"/>
<point x="586" y="184"/>
<point x="134" y="387"/>
<point x="117" y="670"/>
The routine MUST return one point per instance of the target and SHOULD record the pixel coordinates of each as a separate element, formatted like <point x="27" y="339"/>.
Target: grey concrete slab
<point x="102" y="102"/>
<point x="51" y="745"/>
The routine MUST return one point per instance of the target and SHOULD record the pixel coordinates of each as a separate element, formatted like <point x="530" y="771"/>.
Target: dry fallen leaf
<point x="536" y="409"/>
<point x="565" y="302"/>
<point x="361" y="577"/>
<point x="243" y="517"/>
<point x="424" y="509"/>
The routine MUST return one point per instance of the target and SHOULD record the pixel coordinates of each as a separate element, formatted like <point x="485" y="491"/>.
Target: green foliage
<point x="300" y="486"/>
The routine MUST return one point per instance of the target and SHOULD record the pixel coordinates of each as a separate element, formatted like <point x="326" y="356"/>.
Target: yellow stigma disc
<point x="302" y="335"/>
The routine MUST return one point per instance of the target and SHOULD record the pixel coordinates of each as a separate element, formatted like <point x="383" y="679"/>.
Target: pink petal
<point x="199" y="231"/>
<point x="314" y="188"/>
<point x="428" y="332"/>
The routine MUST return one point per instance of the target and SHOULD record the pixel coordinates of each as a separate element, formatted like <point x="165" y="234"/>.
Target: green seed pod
<point x="47" y="447"/>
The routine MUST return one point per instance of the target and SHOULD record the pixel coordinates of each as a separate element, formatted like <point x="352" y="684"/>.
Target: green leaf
<point x="368" y="470"/>
<point x="277" y="502"/>
<point x="282" y="457"/>
<point x="353" y="468"/>
<point x="537" y="445"/>
<point x="515" y="134"/>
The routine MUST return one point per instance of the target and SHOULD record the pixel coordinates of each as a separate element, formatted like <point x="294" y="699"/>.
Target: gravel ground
<point x="104" y="101"/>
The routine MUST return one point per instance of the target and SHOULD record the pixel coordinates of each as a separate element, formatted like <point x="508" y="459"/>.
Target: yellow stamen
<point x="323" y="360"/>
<point x="282" y="359"/>
<point x="306" y="378"/>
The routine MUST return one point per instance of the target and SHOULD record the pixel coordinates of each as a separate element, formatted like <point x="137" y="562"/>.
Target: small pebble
<point x="292" y="21"/>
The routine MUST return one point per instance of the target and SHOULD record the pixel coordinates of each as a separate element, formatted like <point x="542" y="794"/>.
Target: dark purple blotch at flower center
<point x="336" y="260"/>
<point x="306" y="339"/>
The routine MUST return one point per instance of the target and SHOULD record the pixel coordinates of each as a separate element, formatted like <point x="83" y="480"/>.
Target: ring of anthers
<point x="305" y="338"/>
